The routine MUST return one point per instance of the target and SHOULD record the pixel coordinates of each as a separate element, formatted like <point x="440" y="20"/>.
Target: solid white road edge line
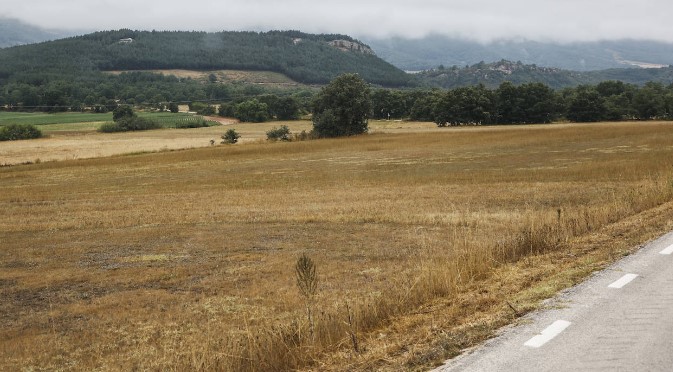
<point x="624" y="280"/>
<point x="548" y="334"/>
<point x="668" y="250"/>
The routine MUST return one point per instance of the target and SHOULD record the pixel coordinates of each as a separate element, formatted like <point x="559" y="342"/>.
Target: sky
<point x="480" y="20"/>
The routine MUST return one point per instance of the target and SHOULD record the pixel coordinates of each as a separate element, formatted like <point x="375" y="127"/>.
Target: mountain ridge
<point x="318" y="58"/>
<point x="435" y="50"/>
<point x="492" y="75"/>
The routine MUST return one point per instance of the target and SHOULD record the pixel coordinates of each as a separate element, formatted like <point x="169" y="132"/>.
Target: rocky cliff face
<point x="350" y="46"/>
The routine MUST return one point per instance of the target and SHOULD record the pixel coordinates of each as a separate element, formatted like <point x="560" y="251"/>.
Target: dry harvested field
<point x="81" y="141"/>
<point x="424" y="241"/>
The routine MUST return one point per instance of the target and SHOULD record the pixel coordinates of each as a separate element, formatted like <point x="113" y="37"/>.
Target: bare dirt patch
<point x="252" y="77"/>
<point x="221" y="120"/>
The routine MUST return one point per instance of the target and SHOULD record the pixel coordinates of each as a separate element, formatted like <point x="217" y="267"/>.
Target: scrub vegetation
<point x="15" y="132"/>
<point x="380" y="251"/>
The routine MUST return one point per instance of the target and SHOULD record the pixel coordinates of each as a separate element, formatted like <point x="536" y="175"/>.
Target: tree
<point x="227" y="110"/>
<point x="649" y="102"/>
<point x="509" y="104"/>
<point x="389" y="104"/>
<point x="611" y="88"/>
<point x="202" y="108"/>
<point x="287" y="108"/>
<point x="618" y="99"/>
<point x="342" y="107"/>
<point x="173" y="107"/>
<point x="423" y="106"/>
<point x="252" y="111"/>
<point x="278" y="134"/>
<point x="586" y="105"/>
<point x="538" y="103"/>
<point x="466" y="105"/>
<point x="123" y="112"/>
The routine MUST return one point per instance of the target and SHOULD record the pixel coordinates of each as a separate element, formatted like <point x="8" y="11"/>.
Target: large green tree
<point x="649" y="102"/>
<point x="252" y="111"/>
<point x="342" y="107"/>
<point x="586" y="105"/>
<point x="466" y="105"/>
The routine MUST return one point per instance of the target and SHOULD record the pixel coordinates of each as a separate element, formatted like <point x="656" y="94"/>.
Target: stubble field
<point x="185" y="259"/>
<point x="80" y="140"/>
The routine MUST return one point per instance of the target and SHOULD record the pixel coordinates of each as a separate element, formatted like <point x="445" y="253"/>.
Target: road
<point x="621" y="319"/>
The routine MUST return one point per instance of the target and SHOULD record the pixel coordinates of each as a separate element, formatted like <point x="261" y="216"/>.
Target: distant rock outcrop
<point x="351" y="46"/>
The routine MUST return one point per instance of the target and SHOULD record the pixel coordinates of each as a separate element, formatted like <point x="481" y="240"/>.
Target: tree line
<point x="494" y="74"/>
<point x="526" y="103"/>
<point x="531" y="103"/>
<point x="104" y="92"/>
<point x="506" y="104"/>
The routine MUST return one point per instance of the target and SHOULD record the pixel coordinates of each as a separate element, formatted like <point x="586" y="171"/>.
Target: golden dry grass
<point x="184" y="259"/>
<point x="81" y="141"/>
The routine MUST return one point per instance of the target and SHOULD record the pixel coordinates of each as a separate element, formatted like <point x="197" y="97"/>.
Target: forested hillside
<point x="493" y="74"/>
<point x="303" y="57"/>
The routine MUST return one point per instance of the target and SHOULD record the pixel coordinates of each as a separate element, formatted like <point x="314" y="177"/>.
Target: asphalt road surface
<point x="621" y="319"/>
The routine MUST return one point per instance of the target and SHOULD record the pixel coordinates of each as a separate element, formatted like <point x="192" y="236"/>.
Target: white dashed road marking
<point x="548" y="334"/>
<point x="668" y="250"/>
<point x="624" y="280"/>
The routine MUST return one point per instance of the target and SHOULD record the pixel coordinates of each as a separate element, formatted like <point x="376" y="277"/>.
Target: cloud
<point x="484" y="20"/>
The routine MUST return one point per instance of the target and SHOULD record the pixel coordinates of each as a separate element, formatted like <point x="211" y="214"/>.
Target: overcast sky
<point x="484" y="20"/>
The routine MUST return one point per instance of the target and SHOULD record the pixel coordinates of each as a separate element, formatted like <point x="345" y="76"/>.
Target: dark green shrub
<point x="230" y="137"/>
<point x="202" y="108"/>
<point x="129" y="124"/>
<point x="123" y="112"/>
<point x="227" y="110"/>
<point x="138" y="124"/>
<point x="278" y="134"/>
<point x="173" y="107"/>
<point x="15" y="132"/>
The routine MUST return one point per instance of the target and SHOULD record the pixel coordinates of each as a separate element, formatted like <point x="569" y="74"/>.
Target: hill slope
<point x="303" y="57"/>
<point x="493" y="74"/>
<point x="433" y="51"/>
